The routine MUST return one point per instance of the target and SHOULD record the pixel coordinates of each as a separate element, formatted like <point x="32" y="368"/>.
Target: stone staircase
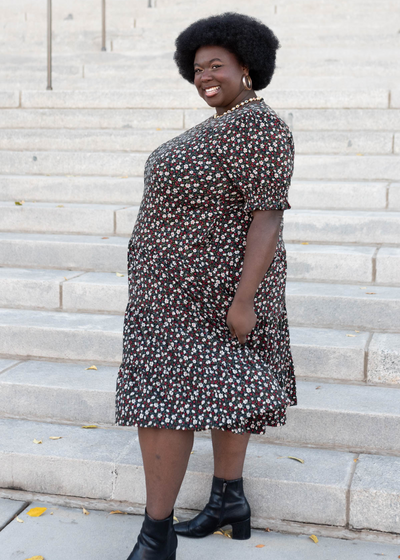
<point x="73" y="159"/>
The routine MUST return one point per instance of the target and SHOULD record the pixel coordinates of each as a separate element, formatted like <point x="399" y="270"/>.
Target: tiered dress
<point x="181" y="369"/>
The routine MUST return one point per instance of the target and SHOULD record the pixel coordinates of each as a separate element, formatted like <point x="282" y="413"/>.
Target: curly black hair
<point x="252" y="42"/>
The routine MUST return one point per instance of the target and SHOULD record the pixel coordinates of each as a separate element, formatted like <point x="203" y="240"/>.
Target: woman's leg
<point x="229" y="453"/>
<point x="165" y="457"/>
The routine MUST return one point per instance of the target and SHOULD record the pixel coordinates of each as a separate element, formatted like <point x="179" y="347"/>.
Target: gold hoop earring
<point x="247" y="82"/>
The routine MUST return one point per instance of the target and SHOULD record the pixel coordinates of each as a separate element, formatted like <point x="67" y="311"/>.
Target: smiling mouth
<point x="211" y="91"/>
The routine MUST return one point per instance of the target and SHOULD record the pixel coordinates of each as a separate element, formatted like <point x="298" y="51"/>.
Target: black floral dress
<point x="181" y="369"/>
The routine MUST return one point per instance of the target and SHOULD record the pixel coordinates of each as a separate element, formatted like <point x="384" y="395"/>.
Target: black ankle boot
<point x="156" y="541"/>
<point x="227" y="506"/>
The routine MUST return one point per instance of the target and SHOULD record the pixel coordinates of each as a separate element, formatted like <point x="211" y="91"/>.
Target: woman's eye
<point x="216" y="66"/>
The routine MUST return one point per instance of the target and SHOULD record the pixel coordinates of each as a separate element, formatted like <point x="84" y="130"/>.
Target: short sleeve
<point x="256" y="151"/>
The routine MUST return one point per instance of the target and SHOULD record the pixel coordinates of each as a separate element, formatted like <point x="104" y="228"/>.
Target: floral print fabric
<point x="181" y="369"/>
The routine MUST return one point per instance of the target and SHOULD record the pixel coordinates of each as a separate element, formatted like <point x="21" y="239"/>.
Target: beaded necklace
<point x="216" y="116"/>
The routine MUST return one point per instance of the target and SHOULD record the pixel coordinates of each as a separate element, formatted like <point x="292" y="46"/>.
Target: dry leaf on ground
<point x="85" y="511"/>
<point x="118" y="511"/>
<point x="36" y="511"/>
<point x="296" y="459"/>
<point x="313" y="538"/>
<point x="91" y="367"/>
<point x="19" y="520"/>
<point x="268" y="530"/>
<point x="260" y="545"/>
<point x="35" y="558"/>
<point x="176" y="519"/>
<point x="120" y="275"/>
<point x="370" y="293"/>
<point x="351" y="335"/>
<point x="90" y="426"/>
<point x="305" y="243"/>
<point x="37" y="441"/>
<point x="19" y="202"/>
<point x="55" y="437"/>
<point x="105" y="238"/>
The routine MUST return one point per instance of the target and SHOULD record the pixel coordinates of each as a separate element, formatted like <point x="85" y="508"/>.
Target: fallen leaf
<point x="119" y="274"/>
<point x="313" y="538"/>
<point x="60" y="206"/>
<point x="91" y="367"/>
<point x="370" y="293"/>
<point x="36" y="511"/>
<point x="118" y="511"/>
<point x="90" y="426"/>
<point x="105" y="238"/>
<point x="305" y="243"/>
<point x="268" y="530"/>
<point x="357" y="331"/>
<point x="37" y="441"/>
<point x="260" y="545"/>
<point x="319" y="387"/>
<point x="296" y="459"/>
<point x="351" y="335"/>
<point x="85" y="511"/>
<point x="55" y="437"/>
<point x="355" y="460"/>
<point x="52" y="513"/>
<point x="176" y="519"/>
<point x="65" y="278"/>
<point x="19" y="202"/>
<point x="125" y="177"/>
<point x="224" y="533"/>
<point x="35" y="558"/>
<point x="360" y="154"/>
<point x="363" y="288"/>
<point x="19" y="520"/>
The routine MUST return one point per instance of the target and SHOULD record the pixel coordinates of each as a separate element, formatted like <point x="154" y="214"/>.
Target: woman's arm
<point x="262" y="238"/>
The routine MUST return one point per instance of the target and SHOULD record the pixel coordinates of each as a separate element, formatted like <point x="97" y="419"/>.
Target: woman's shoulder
<point x="256" y="118"/>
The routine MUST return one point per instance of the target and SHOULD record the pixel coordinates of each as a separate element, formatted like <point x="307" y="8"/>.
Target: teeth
<point x="214" y="88"/>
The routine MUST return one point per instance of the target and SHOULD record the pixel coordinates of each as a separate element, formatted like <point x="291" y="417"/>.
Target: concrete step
<point x="318" y="353"/>
<point x="355" y="418"/>
<point x="106" y="464"/>
<point x="178" y="99"/>
<point x="48" y="217"/>
<point x="307" y="167"/>
<point x="75" y="252"/>
<point x="347" y="264"/>
<point x="298" y="119"/>
<point x="100" y="118"/>
<point x="73" y="163"/>
<point x="128" y="191"/>
<point x="316" y="226"/>
<point x="375" y="308"/>
<point x="137" y="140"/>
<point x="103" y="190"/>
<point x="336" y="226"/>
<point x="65" y="336"/>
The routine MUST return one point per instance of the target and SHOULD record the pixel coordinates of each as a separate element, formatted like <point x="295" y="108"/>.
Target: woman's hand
<point x="241" y="319"/>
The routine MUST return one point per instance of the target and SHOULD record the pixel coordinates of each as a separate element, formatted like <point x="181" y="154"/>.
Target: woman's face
<point x="218" y="78"/>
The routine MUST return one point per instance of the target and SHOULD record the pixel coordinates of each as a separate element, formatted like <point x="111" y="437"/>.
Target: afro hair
<point x="252" y="42"/>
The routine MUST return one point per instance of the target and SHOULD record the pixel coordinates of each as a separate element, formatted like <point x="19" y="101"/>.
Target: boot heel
<point x="241" y="530"/>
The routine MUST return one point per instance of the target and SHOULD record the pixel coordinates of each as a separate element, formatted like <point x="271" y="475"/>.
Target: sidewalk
<point x="62" y="533"/>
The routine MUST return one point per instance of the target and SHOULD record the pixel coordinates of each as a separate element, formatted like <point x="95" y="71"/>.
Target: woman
<point x="206" y="341"/>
